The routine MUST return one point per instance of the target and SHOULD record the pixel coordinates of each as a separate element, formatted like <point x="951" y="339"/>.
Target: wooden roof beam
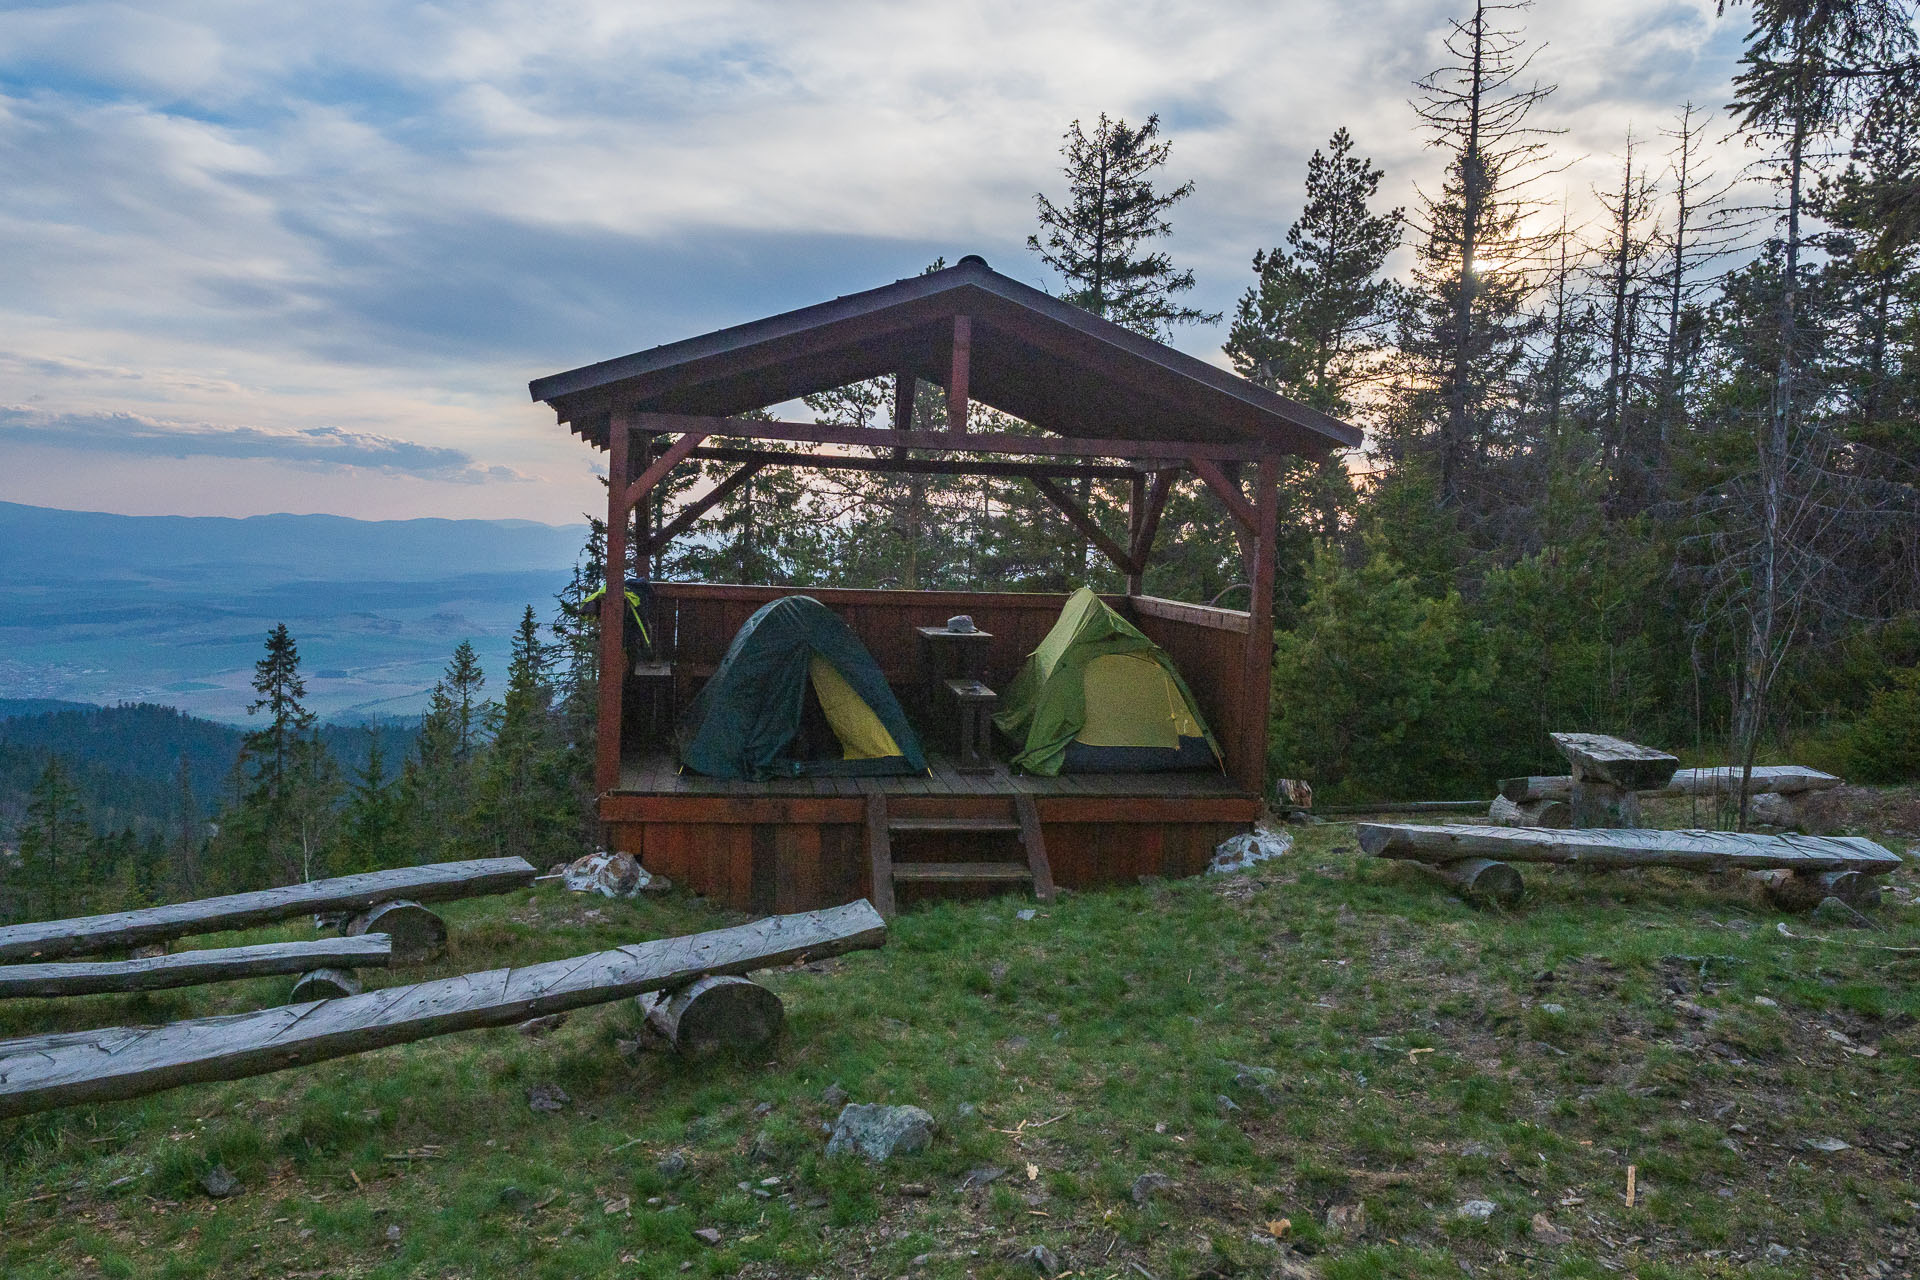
<point x="972" y="442"/>
<point x="921" y="466"/>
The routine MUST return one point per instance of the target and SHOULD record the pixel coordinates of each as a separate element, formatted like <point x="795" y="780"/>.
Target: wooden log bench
<point x="38" y="1073"/>
<point x="356" y="894"/>
<point x="1820" y="860"/>
<point x="191" y="968"/>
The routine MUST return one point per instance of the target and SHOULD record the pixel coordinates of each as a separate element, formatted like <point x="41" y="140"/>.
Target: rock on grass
<point x="881" y="1132"/>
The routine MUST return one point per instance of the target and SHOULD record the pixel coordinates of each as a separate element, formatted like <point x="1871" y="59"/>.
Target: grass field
<point x="1328" y="1058"/>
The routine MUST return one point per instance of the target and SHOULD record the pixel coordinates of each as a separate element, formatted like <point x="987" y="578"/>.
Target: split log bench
<point x="38" y="1073"/>
<point x="1777" y="790"/>
<point x="374" y="904"/>
<point x="1838" y="866"/>
<point x="123" y="930"/>
<point x="191" y="968"/>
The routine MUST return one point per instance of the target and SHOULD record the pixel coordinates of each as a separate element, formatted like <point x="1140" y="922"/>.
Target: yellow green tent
<point x="1097" y="696"/>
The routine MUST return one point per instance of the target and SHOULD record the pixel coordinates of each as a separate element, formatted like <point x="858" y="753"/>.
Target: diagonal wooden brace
<point x="1078" y="517"/>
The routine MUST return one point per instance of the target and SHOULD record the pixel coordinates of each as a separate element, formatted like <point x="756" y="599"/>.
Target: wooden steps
<point x="1021" y="823"/>
<point x="957" y="872"/>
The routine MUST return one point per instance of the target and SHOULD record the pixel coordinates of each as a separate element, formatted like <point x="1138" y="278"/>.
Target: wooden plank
<point x="191" y="968"/>
<point x="1787" y="779"/>
<point x="128" y="1062"/>
<point x="961" y="872"/>
<point x="1035" y="843"/>
<point x="971" y="442"/>
<point x="1228" y="492"/>
<point x="435" y="882"/>
<point x="1193" y="615"/>
<point x="1615" y="761"/>
<point x="880" y="852"/>
<point x="1690" y="850"/>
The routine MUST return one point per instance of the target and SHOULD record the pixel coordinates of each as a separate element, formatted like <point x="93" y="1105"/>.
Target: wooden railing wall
<point x="697" y="621"/>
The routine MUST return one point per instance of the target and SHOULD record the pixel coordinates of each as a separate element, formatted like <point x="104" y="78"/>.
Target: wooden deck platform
<point x="798" y="844"/>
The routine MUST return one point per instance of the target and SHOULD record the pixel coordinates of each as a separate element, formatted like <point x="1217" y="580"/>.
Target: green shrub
<point x="1883" y="745"/>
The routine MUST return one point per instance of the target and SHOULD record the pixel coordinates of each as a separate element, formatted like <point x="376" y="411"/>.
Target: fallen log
<point x="191" y="968"/>
<point x="1786" y="779"/>
<point x="1691" y="850"/>
<point x="716" y="1014"/>
<point x="43" y="1072"/>
<point x="435" y="882"/>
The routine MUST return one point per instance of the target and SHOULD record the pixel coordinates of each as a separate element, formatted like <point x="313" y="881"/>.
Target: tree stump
<point x="1481" y="881"/>
<point x="715" y="1014"/>
<point x="418" y="934"/>
<point x="1803" y="891"/>
<point x="324" y="984"/>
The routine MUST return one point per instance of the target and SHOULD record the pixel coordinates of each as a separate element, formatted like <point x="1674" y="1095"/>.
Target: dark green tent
<point x="797" y="693"/>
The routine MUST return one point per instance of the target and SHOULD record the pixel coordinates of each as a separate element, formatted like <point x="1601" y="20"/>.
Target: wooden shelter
<point x="1113" y="405"/>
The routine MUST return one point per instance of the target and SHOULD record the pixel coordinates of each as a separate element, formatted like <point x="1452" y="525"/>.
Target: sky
<point x="306" y="257"/>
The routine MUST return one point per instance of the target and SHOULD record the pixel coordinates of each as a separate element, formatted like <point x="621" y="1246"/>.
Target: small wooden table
<point x="948" y="655"/>
<point x="1606" y="774"/>
<point x="654" y="682"/>
<point x="975" y="703"/>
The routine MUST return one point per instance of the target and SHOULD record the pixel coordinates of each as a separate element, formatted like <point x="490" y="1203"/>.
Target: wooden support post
<point x="692" y="512"/>
<point x="670" y="457"/>
<point x="1251" y="768"/>
<point x="1136" y="514"/>
<point x="1082" y="520"/>
<point x="1481" y="881"/>
<point x="613" y="611"/>
<point x="715" y="1015"/>
<point x="958" y="375"/>
<point x="1142" y="547"/>
<point x="903" y="389"/>
<point x="880" y="852"/>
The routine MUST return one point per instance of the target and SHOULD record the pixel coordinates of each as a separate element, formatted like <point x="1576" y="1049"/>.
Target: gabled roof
<point x="1040" y="359"/>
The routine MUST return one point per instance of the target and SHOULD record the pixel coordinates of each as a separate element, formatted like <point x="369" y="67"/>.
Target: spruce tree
<point x="54" y="842"/>
<point x="280" y="826"/>
<point x="371" y="835"/>
<point x="521" y="794"/>
<point x="1100" y="241"/>
<point x="464" y="682"/>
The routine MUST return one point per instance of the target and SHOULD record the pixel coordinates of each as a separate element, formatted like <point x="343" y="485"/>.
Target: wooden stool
<point x="974" y="704"/>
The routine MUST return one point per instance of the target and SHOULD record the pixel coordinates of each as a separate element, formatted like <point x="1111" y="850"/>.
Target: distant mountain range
<point x="106" y="609"/>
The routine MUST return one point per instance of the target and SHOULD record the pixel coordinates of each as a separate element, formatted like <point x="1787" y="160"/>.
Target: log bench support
<point x="1481" y="881"/>
<point x="1607" y="772"/>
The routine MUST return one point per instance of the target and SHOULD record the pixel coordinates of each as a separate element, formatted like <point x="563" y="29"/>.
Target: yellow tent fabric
<point x="862" y="736"/>
<point x="1132" y="702"/>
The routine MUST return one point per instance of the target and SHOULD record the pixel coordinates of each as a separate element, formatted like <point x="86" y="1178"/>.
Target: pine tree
<point x="433" y="782"/>
<point x="1316" y="321"/>
<point x="54" y="841"/>
<point x="1099" y="241"/>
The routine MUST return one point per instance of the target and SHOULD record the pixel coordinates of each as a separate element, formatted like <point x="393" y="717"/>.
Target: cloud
<point x="325" y="448"/>
<point x="390" y="216"/>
